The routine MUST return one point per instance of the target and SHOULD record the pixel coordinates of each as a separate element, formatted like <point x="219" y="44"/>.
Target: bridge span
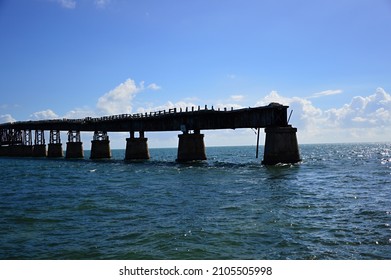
<point x="18" y="139"/>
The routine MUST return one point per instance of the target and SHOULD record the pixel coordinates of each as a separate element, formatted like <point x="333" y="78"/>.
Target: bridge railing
<point x="147" y="115"/>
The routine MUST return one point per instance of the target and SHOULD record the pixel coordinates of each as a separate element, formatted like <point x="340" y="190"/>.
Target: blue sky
<point x="329" y="60"/>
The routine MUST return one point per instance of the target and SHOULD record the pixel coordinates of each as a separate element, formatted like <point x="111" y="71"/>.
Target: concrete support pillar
<point x="55" y="150"/>
<point x="74" y="150"/>
<point x="191" y="147"/>
<point x="55" y="146"/>
<point x="74" y="145"/>
<point x="100" y="146"/>
<point x="281" y="146"/>
<point x="136" y="148"/>
<point x="17" y="151"/>
<point x="39" y="148"/>
<point x="3" y="151"/>
<point x="23" y="150"/>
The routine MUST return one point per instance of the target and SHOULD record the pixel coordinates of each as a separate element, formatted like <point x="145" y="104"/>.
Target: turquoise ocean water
<point x="336" y="204"/>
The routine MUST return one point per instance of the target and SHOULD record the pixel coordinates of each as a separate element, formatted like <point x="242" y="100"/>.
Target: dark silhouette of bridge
<point x="16" y="138"/>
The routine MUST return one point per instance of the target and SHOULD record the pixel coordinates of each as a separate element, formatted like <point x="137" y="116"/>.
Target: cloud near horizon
<point x="6" y="118"/>
<point x="363" y="119"/>
<point x="44" y="115"/>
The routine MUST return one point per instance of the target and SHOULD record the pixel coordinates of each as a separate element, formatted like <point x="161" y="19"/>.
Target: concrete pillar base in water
<point x="17" y="151"/>
<point x="39" y="150"/>
<point x="100" y="149"/>
<point x="24" y="151"/>
<point x="136" y="148"/>
<point x="55" y="150"/>
<point x="3" y="151"/>
<point x="191" y="147"/>
<point x="281" y="146"/>
<point x="74" y="150"/>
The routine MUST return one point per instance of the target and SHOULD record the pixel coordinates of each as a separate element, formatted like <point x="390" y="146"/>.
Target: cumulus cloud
<point x="119" y="100"/>
<point x="44" y="115"/>
<point x="363" y="112"/>
<point x="365" y="118"/>
<point x="6" y="118"/>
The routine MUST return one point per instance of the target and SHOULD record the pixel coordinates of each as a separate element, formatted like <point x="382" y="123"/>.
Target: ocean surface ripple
<point x="336" y="204"/>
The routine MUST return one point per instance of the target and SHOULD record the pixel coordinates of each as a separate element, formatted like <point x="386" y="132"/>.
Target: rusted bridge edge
<point x="16" y="137"/>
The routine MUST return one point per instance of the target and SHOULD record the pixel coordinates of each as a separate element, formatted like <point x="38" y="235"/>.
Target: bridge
<point x="16" y="138"/>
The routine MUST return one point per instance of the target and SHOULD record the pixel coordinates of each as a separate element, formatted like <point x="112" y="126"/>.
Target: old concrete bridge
<point x="16" y="138"/>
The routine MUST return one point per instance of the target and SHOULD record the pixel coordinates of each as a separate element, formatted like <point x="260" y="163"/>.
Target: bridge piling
<point x="55" y="146"/>
<point x="39" y="148"/>
<point x="281" y="146"/>
<point x="74" y="145"/>
<point x="100" y="146"/>
<point x="137" y="148"/>
<point x="191" y="147"/>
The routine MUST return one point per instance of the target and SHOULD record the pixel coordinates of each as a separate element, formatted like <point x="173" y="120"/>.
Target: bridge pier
<point x="21" y="150"/>
<point x="16" y="151"/>
<point x="281" y="146"/>
<point x="39" y="148"/>
<point x="25" y="149"/>
<point x="136" y="148"/>
<point x="191" y="147"/>
<point x="55" y="146"/>
<point x="74" y="145"/>
<point x="100" y="146"/>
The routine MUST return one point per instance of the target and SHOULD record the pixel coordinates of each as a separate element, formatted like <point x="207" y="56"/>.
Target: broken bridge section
<point x="280" y="145"/>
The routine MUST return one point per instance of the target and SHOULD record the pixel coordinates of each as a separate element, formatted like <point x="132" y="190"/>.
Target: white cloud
<point x="327" y="92"/>
<point x="169" y="105"/>
<point x="44" y="115"/>
<point x="363" y="112"/>
<point x="154" y="86"/>
<point x="119" y="100"/>
<point x="365" y="118"/>
<point x="80" y="113"/>
<point x="228" y="106"/>
<point x="68" y="4"/>
<point x="6" y="118"/>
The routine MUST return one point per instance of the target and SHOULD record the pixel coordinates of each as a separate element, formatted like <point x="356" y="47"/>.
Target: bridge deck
<point x="172" y="120"/>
